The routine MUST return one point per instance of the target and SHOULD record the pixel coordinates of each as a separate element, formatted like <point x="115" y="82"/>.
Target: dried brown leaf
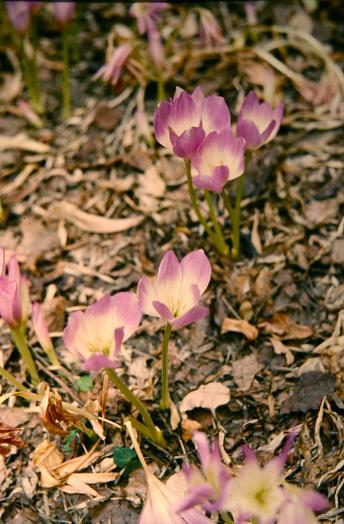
<point x="22" y="141"/>
<point x="93" y="223"/>
<point x="208" y="396"/>
<point x="309" y="392"/>
<point x="9" y="437"/>
<point x="281" y="324"/>
<point x="56" y="419"/>
<point x="239" y="326"/>
<point x="244" y="371"/>
<point x="282" y="349"/>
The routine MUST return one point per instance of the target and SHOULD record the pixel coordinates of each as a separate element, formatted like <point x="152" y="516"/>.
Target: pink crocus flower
<point x="211" y="486"/>
<point x="111" y="71"/>
<point x="219" y="158"/>
<point x="182" y="123"/>
<point x="175" y="292"/>
<point x="258" y="123"/>
<point x="20" y="14"/>
<point x="147" y="14"/>
<point x="14" y="293"/>
<point x="300" y="504"/>
<point x="210" y="30"/>
<point x="63" y="12"/>
<point x="96" y="335"/>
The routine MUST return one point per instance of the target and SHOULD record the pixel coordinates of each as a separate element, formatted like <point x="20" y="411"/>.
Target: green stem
<point x="237" y="210"/>
<point x="18" y="338"/>
<point x="194" y="202"/>
<point x="161" y="87"/>
<point x="65" y="75"/>
<point x="220" y="241"/>
<point x="226" y="518"/>
<point x="165" y="401"/>
<point x="154" y="432"/>
<point x="52" y="356"/>
<point x="30" y="74"/>
<point x="10" y="378"/>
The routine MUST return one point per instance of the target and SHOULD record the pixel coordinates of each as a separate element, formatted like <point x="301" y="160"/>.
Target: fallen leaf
<point x="309" y="392"/>
<point x="281" y="324"/>
<point x="22" y="141"/>
<point x="189" y="426"/>
<point x="93" y="223"/>
<point x="239" y="326"/>
<point x="244" y="371"/>
<point x="320" y="211"/>
<point x="208" y="396"/>
<point x="151" y="182"/>
<point x="282" y="349"/>
<point x="337" y="251"/>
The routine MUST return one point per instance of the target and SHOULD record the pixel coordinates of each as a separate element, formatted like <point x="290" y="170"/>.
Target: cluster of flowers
<point x="20" y="13"/>
<point x="96" y="335"/>
<point x="257" y="494"/>
<point x="197" y="128"/>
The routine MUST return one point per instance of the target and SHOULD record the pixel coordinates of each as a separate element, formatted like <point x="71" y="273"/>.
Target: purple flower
<point x="20" y="14"/>
<point x="218" y="159"/>
<point x="210" y="30"/>
<point x="14" y="293"/>
<point x="211" y="486"/>
<point x="96" y="335"/>
<point x="63" y="12"/>
<point x="258" y="123"/>
<point x="111" y="71"/>
<point x="182" y="123"/>
<point x="175" y="292"/>
<point x="299" y="505"/>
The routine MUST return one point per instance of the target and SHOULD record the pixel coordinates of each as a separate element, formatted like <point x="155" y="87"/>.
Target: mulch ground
<point x="65" y="195"/>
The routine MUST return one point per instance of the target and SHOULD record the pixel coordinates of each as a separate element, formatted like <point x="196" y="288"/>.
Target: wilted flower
<point x="9" y="437"/>
<point x="63" y="12"/>
<point x="258" y="123"/>
<point x="299" y="505"/>
<point x="111" y="71"/>
<point x="56" y="419"/>
<point x="20" y="14"/>
<point x="218" y="159"/>
<point x="147" y="14"/>
<point x="175" y="292"/>
<point x="182" y="123"/>
<point x="14" y="292"/>
<point x="96" y="335"/>
<point x="211" y="486"/>
<point x="210" y="30"/>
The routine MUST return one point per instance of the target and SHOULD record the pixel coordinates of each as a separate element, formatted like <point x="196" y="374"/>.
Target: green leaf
<point x="71" y="439"/>
<point x="84" y="383"/>
<point x="126" y="458"/>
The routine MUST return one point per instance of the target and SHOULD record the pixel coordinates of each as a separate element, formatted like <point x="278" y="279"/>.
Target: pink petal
<point x="215" y="114"/>
<point x="266" y="136"/>
<point x="8" y="291"/>
<point x="196" y="269"/>
<point x="313" y="500"/>
<point x="118" y="337"/>
<point x="184" y="114"/>
<point x="146" y="292"/>
<point x="188" y="142"/>
<point x="207" y="182"/>
<point x="196" y="495"/>
<point x="127" y="311"/>
<point x="194" y="314"/>
<point x="99" y="361"/>
<point x="161" y="124"/>
<point x="169" y="278"/>
<point x="249" y="104"/>
<point x="70" y="332"/>
<point x="249" y="132"/>
<point x="198" y="97"/>
<point x="163" y="311"/>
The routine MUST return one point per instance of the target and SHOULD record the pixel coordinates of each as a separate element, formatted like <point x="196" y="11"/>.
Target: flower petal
<point x="163" y="311"/>
<point x="99" y="361"/>
<point x="249" y="132"/>
<point x="196" y="269"/>
<point x="126" y="312"/>
<point x="161" y="124"/>
<point x="194" y="314"/>
<point x="188" y="142"/>
<point x="215" y="114"/>
<point x="169" y="279"/>
<point x="146" y="291"/>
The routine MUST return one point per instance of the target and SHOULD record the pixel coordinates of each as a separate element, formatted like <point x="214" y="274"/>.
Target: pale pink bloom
<point x="63" y="12"/>
<point x="175" y="292"/>
<point x="219" y="158"/>
<point x="258" y="123"/>
<point x="182" y="123"/>
<point x="111" y="71"/>
<point x="210" y="30"/>
<point x="14" y="292"/>
<point x="160" y="504"/>
<point x="20" y="14"/>
<point x="147" y="14"/>
<point x="211" y="486"/>
<point x="40" y="328"/>
<point x="299" y="505"/>
<point x="96" y="335"/>
<point x="256" y="492"/>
